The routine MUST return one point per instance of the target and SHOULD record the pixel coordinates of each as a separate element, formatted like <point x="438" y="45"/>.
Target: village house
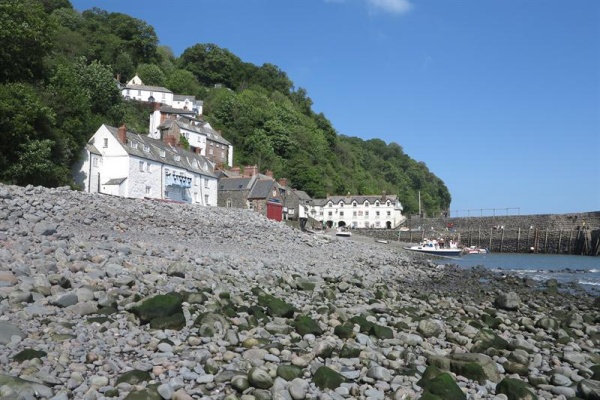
<point x="371" y="212"/>
<point x="136" y="90"/>
<point x="252" y="190"/>
<point x="127" y="164"/>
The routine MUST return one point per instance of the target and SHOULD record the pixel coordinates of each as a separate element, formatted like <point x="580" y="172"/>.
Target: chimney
<point x="156" y="106"/>
<point x="384" y="196"/>
<point x="269" y="173"/>
<point x="250" y="170"/>
<point x="283" y="182"/>
<point x="122" y="134"/>
<point x="235" y="170"/>
<point x="170" y="140"/>
<point x="197" y="150"/>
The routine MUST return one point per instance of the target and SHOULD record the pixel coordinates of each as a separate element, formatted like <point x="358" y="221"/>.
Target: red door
<point x="275" y="211"/>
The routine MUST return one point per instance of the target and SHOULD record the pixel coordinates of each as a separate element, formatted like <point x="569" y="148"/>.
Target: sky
<point x="499" y="98"/>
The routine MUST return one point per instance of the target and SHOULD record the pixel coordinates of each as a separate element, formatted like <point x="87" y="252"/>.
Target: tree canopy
<point x="59" y="71"/>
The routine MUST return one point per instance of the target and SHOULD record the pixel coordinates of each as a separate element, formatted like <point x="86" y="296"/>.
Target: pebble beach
<point x="110" y="298"/>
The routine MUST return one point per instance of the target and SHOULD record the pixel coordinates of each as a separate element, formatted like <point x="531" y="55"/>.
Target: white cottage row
<point x="127" y="164"/>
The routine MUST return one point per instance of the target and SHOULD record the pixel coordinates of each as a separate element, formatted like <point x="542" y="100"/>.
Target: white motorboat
<point x="434" y="247"/>
<point x="343" y="232"/>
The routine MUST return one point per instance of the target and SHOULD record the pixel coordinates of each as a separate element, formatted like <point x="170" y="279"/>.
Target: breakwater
<point x="545" y="233"/>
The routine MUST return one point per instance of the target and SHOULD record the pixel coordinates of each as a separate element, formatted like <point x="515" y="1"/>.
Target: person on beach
<point x="302" y="217"/>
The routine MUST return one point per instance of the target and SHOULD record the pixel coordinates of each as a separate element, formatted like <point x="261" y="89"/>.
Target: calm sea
<point x="584" y="270"/>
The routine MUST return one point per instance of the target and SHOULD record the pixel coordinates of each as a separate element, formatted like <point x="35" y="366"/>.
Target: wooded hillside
<point x="57" y="86"/>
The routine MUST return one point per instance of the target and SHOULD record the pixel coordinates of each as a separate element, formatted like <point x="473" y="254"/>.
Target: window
<point x="354" y="213"/>
<point x="388" y="203"/>
<point x="162" y="153"/>
<point x="228" y="203"/>
<point x="147" y="167"/>
<point x="211" y="151"/>
<point x="366" y="214"/>
<point x="389" y="213"/>
<point x="133" y="144"/>
<point x="366" y="204"/>
<point x="354" y="204"/>
<point x="141" y="166"/>
<point x="377" y="204"/>
<point x="127" y="92"/>
<point x="146" y="148"/>
<point x="166" y="194"/>
<point x="341" y="213"/>
<point x="94" y="161"/>
<point x="139" y="92"/>
<point x="148" y="190"/>
<point x="206" y="199"/>
<point x="197" y="181"/>
<point x="163" y="96"/>
<point x="206" y="182"/>
<point x="105" y="143"/>
<point x="330" y="214"/>
<point x="377" y="213"/>
<point x="177" y="157"/>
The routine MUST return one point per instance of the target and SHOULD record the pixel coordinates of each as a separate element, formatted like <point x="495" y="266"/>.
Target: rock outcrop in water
<point x="111" y="298"/>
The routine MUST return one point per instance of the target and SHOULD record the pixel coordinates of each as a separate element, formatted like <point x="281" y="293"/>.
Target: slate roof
<point x="360" y="199"/>
<point x="115" y="181"/>
<point x="261" y="189"/>
<point x="201" y="129"/>
<point x="189" y="161"/>
<point x="92" y="149"/>
<point x="147" y="88"/>
<point x="233" y="184"/>
<point x="302" y="195"/>
<point x="165" y="109"/>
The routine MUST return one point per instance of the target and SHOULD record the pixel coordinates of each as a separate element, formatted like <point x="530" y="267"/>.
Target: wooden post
<point x="546" y="242"/>
<point x="479" y="237"/>
<point x="570" y="241"/>
<point x="518" y="239"/>
<point x="559" y="241"/>
<point x="501" y="240"/>
<point x="491" y="232"/>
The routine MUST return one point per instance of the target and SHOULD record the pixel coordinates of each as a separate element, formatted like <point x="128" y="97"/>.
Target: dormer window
<point x="354" y="204"/>
<point x="366" y="204"/>
<point x="133" y="144"/>
<point x="105" y="145"/>
<point x="177" y="157"/>
<point x="146" y="148"/>
<point x="162" y="153"/>
<point x="388" y="203"/>
<point x="377" y="204"/>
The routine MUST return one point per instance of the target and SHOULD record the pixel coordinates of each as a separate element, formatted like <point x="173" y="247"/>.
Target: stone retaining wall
<point x="549" y="233"/>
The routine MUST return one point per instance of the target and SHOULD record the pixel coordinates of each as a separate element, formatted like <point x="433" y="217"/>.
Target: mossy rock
<point x="430" y="372"/>
<point x="206" y="322"/>
<point x="276" y="307"/>
<point x="365" y="326"/>
<point x="382" y="332"/>
<point x="134" y="377"/>
<point x="444" y="387"/>
<point x="515" y="389"/>
<point x="289" y="372"/>
<point x="195" y="297"/>
<point x="112" y="393"/>
<point x="162" y="305"/>
<point x="28" y="354"/>
<point x="305" y="325"/>
<point x="175" y="322"/>
<point x="344" y="331"/>
<point x="150" y="393"/>
<point x="305" y="284"/>
<point x="326" y="378"/>
<point x="595" y="372"/>
<point x="108" y="310"/>
<point x="486" y="339"/>
<point x="349" y="351"/>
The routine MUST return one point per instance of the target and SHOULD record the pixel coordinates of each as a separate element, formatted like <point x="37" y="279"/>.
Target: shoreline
<point x="254" y="309"/>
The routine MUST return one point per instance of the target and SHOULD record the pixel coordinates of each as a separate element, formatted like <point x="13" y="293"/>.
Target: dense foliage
<point x="58" y="82"/>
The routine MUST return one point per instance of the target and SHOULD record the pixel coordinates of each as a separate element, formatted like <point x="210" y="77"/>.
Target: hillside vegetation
<point x="57" y="86"/>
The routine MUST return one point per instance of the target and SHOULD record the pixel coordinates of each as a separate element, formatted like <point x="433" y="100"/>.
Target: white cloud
<point x="391" y="6"/>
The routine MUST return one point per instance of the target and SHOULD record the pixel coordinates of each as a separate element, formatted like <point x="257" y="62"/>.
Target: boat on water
<point x="342" y="231"/>
<point x="475" y="250"/>
<point x="435" y="248"/>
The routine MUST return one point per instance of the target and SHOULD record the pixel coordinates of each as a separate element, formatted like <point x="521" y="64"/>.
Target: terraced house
<point x="122" y="163"/>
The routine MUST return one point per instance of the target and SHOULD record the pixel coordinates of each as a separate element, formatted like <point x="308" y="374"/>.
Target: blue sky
<point x="500" y="98"/>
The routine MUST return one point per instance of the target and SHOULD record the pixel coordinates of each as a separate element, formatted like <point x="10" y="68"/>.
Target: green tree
<point x="26" y="37"/>
<point x="183" y="82"/>
<point x="151" y="75"/>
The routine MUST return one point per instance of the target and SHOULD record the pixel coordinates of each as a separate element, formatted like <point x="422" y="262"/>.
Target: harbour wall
<point x="577" y="233"/>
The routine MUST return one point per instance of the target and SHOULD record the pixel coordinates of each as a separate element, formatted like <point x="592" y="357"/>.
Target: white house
<point x="373" y="212"/>
<point x="127" y="164"/>
<point x="136" y="90"/>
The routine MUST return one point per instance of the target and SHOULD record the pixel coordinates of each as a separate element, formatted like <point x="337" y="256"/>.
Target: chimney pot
<point x="122" y="133"/>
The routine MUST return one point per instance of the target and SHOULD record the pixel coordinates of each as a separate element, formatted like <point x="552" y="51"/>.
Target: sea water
<point x="566" y="269"/>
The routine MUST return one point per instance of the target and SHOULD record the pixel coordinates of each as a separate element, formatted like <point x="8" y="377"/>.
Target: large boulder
<point x="508" y="301"/>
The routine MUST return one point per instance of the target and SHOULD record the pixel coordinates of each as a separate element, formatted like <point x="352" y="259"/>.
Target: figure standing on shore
<point x="302" y="217"/>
